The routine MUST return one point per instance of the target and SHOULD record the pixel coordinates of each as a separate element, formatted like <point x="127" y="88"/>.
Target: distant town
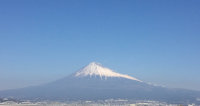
<point x="109" y="102"/>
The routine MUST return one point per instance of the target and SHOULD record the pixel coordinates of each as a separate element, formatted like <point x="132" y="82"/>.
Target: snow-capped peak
<point x="96" y="69"/>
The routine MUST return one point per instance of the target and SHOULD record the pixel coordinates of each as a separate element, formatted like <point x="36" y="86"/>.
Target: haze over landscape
<point x="156" y="42"/>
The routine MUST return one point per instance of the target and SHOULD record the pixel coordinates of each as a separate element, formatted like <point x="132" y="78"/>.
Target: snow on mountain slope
<point x="96" y="69"/>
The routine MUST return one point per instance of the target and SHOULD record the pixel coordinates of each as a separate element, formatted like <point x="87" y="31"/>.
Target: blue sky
<point x="155" y="41"/>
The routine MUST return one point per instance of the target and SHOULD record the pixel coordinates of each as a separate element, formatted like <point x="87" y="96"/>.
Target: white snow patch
<point x="96" y="69"/>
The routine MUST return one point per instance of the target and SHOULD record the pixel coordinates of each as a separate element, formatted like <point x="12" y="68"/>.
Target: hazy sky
<point x="155" y="41"/>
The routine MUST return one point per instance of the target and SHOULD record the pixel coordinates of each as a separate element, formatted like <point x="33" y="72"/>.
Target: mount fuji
<point x="95" y="82"/>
